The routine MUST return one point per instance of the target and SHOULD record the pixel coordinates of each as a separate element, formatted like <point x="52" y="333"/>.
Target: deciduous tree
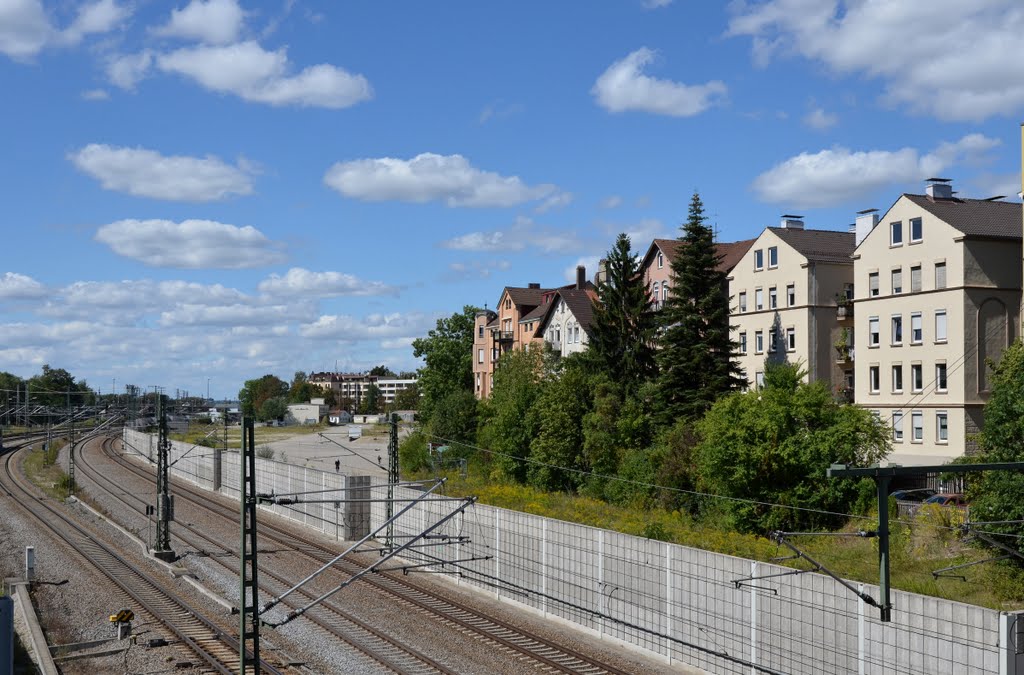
<point x="447" y="359"/>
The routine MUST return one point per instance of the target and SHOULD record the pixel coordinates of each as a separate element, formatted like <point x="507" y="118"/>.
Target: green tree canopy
<point x="695" y="358"/>
<point x="52" y="387"/>
<point x="560" y="409"/>
<point x="301" y="390"/>
<point x="408" y="398"/>
<point x="382" y="371"/>
<point x="372" y="400"/>
<point x="510" y="423"/>
<point x="774" y="446"/>
<point x="254" y="393"/>
<point x="273" y="409"/>
<point x="622" y="330"/>
<point x="447" y="353"/>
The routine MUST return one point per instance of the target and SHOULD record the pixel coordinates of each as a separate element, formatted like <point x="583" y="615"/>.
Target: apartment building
<point x="784" y="293"/>
<point x="353" y="386"/>
<point x="566" y="316"/>
<point x="938" y="292"/>
<point x="656" y="265"/>
<point x="496" y="332"/>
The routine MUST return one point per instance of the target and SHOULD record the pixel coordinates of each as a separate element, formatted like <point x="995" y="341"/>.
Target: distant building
<point x="566" y="316"/>
<point x="307" y="413"/>
<point x="353" y="386"/>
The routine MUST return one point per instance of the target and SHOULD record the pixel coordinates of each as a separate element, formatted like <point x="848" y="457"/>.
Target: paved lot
<point x="366" y="456"/>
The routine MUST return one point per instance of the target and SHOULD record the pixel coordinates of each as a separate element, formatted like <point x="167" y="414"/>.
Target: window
<point x="773" y="256"/>
<point x="773" y="298"/>
<point x="743" y="301"/>
<point x="940" y="377"/>
<point x="480" y="356"/>
<point x="897" y="281"/>
<point x="661" y="260"/>
<point x="896" y="234"/>
<point x="897" y="330"/>
<point x="773" y="336"/>
<point x="940" y="325"/>
<point x="508" y="303"/>
<point x="758" y="299"/>
<point x="940" y="275"/>
<point x="916" y="230"/>
<point x="897" y="425"/>
<point x="873" y="379"/>
<point x="478" y="381"/>
<point x="916" y="331"/>
<point x="791" y="339"/>
<point x="790" y="295"/>
<point x="873" y="284"/>
<point x="759" y="380"/>
<point x="758" y="260"/>
<point x="743" y="342"/>
<point x="558" y="335"/>
<point x="664" y="291"/>
<point x="759" y="342"/>
<point x="657" y="288"/>
<point x="897" y="379"/>
<point x="916" y="377"/>
<point x="915" y="279"/>
<point x="873" y="332"/>
<point x="917" y="426"/>
<point x="480" y="332"/>
<point x="942" y="426"/>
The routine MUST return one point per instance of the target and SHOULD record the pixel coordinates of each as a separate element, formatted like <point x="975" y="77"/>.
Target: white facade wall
<point x="563" y="331"/>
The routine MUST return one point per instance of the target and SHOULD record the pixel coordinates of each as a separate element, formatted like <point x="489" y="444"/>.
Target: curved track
<point x="218" y="649"/>
<point x="517" y="643"/>
<point x="361" y="636"/>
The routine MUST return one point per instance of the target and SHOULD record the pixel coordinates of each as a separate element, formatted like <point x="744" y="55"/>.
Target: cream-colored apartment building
<point x="784" y="293"/>
<point x="938" y="292"/>
<point x="498" y="331"/>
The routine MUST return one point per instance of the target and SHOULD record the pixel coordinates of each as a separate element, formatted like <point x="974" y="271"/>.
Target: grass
<point x="42" y="469"/>
<point x="916" y="549"/>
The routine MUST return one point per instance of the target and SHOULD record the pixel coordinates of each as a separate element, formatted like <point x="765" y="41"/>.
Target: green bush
<point x="413" y="455"/>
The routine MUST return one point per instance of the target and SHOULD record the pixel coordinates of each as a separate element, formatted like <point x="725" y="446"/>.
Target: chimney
<point x="791" y="222"/>
<point x="866" y="221"/>
<point x="602" y="272"/>
<point x="533" y="284"/>
<point x="939" y="188"/>
<point x="581" y="277"/>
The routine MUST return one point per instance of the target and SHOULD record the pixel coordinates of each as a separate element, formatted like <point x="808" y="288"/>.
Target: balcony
<point x="844" y="309"/>
<point x="844" y="356"/>
<point x="844" y="394"/>
<point x="504" y="335"/>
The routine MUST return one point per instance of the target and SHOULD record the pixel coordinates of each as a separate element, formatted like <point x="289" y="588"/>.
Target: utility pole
<point x="249" y="617"/>
<point x="392" y="477"/>
<point x="162" y="546"/>
<point x="71" y="449"/>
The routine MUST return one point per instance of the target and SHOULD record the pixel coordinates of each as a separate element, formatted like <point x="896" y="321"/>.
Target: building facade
<point x="501" y="330"/>
<point x="656" y="265"/>
<point x="938" y="292"/>
<point x="354" y="386"/>
<point x="784" y="293"/>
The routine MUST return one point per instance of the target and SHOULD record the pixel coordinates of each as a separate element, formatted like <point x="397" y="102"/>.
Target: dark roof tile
<point x="975" y="217"/>
<point x="819" y="245"/>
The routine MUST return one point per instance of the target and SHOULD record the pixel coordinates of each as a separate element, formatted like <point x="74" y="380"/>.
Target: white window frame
<point x="873" y="292"/>
<point x="791" y="339"/>
<point x="661" y="260"/>
<point x="920" y="228"/>
<point x="916" y="328"/>
<point x="942" y="435"/>
<point x="894" y="228"/>
<point x="944" y="336"/>
<point x="759" y="379"/>
<point x="773" y="257"/>
<point x="480" y="356"/>
<point x="897" y="426"/>
<point x="773" y="340"/>
<point x="743" y="342"/>
<point x="664" y="291"/>
<point x="916" y="426"/>
<point x="773" y="297"/>
<point x="920" y="279"/>
<point x="758" y="259"/>
<point x="897" y="378"/>
<point x="758" y="299"/>
<point x="742" y="302"/>
<point x="759" y="342"/>
<point x="874" y="379"/>
<point x="945" y="272"/>
<point x="790" y="295"/>
<point x="941" y="387"/>
<point x="896" y="290"/>
<point x="896" y="330"/>
<point x="916" y="378"/>
<point x="874" y="336"/>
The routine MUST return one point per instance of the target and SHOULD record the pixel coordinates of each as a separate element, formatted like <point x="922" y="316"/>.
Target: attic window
<point x="661" y="260"/>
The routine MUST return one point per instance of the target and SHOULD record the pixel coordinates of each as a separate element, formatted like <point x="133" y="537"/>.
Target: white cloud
<point x="612" y="202"/>
<point x="374" y="326"/>
<point x="209" y="21"/>
<point x="523" y="234"/>
<point x="623" y="87"/>
<point x="190" y="244"/>
<point x="429" y="177"/>
<point x="237" y="315"/>
<point x="304" y="283"/>
<point x="955" y="66"/>
<point x="990" y="185"/>
<point x="127" y="70"/>
<point x="556" y="201"/>
<point x="839" y="176"/>
<point x="14" y="286"/>
<point x="147" y="173"/>
<point x="656" y="4"/>
<point x="255" y="74"/>
<point x="25" y="29"/>
<point x="474" y="269"/>
<point x="590" y="262"/>
<point x="95" y="95"/>
<point x="820" y="120"/>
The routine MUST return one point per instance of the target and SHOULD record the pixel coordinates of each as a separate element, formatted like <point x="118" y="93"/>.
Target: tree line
<point x="655" y="411"/>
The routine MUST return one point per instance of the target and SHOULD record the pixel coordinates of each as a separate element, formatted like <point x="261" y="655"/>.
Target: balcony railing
<point x="504" y="335"/>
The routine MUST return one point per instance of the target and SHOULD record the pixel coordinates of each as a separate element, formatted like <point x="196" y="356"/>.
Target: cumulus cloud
<point x="430" y="177"/>
<point x="247" y="70"/>
<point x="556" y="201"/>
<point x="190" y="244"/>
<point x="839" y="175"/>
<point x="95" y="95"/>
<point x="147" y="173"/>
<point x="820" y="120"/>
<point x="955" y="67"/>
<point x="127" y="70"/>
<point x="522" y="234"/>
<point x="303" y="283"/>
<point x="474" y="269"/>
<point x="209" y="21"/>
<point x="374" y="326"/>
<point x="14" y="286"/>
<point x="25" y="29"/>
<point x="237" y="315"/>
<point x="624" y="87"/>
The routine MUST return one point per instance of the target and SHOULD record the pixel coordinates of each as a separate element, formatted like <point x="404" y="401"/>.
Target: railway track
<point x="210" y="643"/>
<point x="374" y="644"/>
<point x="511" y="640"/>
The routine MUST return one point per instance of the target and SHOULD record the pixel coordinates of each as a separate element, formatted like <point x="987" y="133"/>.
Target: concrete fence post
<point x="668" y="602"/>
<point x="601" y="606"/>
<point x="497" y="551"/>
<point x="861" y="637"/>
<point x="753" y="617"/>
<point x="544" y="564"/>
<point x="1011" y="643"/>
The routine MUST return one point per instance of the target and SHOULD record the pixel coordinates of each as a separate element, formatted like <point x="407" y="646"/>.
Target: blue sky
<point x="221" y="189"/>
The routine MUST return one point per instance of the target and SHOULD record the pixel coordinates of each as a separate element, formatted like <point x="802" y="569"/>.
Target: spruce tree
<point x="623" y="327"/>
<point x="695" y="350"/>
